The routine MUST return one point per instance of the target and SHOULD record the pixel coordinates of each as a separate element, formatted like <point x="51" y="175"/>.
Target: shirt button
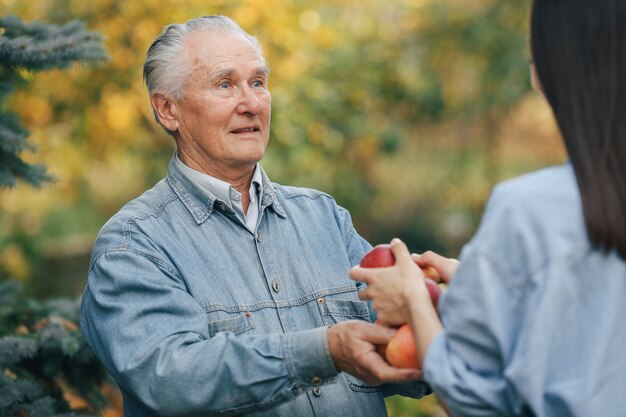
<point x="258" y="237"/>
<point x="316" y="380"/>
<point x="320" y="301"/>
<point x="247" y="314"/>
<point x="317" y="391"/>
<point x="275" y="286"/>
<point x="236" y="197"/>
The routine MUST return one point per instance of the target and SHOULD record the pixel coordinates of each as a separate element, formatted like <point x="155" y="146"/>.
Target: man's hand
<point x="353" y="345"/>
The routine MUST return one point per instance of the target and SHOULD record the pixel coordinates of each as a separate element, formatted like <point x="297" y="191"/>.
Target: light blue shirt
<point x="226" y="193"/>
<point x="535" y="319"/>
<point x="194" y="314"/>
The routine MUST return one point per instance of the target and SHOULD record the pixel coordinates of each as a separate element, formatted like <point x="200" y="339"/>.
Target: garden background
<point x="407" y="111"/>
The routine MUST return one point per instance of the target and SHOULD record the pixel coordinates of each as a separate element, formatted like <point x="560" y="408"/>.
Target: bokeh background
<point x="407" y="111"/>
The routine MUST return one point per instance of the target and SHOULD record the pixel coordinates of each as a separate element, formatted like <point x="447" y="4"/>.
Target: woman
<point x="532" y="322"/>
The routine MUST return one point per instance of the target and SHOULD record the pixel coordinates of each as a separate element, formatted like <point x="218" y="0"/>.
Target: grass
<point x="407" y="407"/>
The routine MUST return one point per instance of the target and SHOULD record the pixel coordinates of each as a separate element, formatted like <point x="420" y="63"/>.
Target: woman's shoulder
<point x="539" y="189"/>
<point x="535" y="217"/>
<point x="544" y="198"/>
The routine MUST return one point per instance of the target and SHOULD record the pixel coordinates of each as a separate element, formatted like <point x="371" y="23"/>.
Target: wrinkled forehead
<point x="209" y="48"/>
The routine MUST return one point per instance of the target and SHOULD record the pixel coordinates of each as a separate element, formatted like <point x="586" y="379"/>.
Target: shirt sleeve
<point x="152" y="336"/>
<point x="482" y="312"/>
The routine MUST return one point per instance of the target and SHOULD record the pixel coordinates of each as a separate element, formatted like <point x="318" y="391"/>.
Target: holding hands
<point x="400" y="294"/>
<point x="404" y="292"/>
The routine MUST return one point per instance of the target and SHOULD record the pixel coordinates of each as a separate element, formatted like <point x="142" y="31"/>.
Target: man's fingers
<point x="384" y="372"/>
<point x="391" y="374"/>
<point x="373" y="333"/>
<point x="379" y="334"/>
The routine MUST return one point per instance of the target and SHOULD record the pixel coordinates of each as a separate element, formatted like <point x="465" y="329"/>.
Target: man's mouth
<point x="248" y="129"/>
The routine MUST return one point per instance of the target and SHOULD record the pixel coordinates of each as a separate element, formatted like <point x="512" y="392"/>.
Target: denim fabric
<point x="534" y="316"/>
<point x="195" y="315"/>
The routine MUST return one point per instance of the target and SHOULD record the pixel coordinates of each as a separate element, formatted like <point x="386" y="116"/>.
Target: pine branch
<point x="13" y="168"/>
<point x="35" y="46"/>
<point x="53" y="337"/>
<point x="9" y="80"/>
<point x="38" y="30"/>
<point x="42" y="354"/>
<point x="41" y="407"/>
<point x="15" y="349"/>
<point x="13" y="391"/>
<point x="12" y="135"/>
<point x="38" y="46"/>
<point x="8" y="290"/>
<point x="64" y="307"/>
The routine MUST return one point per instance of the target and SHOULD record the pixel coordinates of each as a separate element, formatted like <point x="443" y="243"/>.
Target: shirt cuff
<point x="308" y="358"/>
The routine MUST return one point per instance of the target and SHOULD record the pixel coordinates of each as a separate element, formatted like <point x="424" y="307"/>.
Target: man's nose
<point x="249" y="102"/>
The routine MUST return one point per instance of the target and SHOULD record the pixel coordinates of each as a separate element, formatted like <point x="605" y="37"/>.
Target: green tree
<point x="25" y="48"/>
<point x="42" y="352"/>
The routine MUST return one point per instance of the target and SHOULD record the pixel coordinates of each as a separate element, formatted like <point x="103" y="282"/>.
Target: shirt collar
<point x="222" y="190"/>
<point x="200" y="202"/>
<point x="256" y="187"/>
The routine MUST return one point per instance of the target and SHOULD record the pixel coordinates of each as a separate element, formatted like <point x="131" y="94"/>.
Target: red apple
<point x="400" y="351"/>
<point x="381" y="256"/>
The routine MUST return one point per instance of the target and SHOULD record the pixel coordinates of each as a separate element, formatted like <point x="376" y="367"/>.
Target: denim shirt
<point x="534" y="315"/>
<point x="195" y="315"/>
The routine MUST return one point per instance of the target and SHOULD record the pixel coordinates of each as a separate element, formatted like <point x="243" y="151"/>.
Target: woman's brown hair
<point x="579" y="52"/>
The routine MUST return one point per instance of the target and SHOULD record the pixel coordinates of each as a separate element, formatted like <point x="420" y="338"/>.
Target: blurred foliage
<point x="407" y="111"/>
<point x="407" y="407"/>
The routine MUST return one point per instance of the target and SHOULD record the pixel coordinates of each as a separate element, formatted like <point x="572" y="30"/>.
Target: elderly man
<point x="218" y="292"/>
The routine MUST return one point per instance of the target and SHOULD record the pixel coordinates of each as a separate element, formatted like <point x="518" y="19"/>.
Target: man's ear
<point x="165" y="111"/>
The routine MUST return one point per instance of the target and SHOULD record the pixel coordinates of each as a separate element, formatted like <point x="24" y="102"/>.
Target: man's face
<point x="224" y="115"/>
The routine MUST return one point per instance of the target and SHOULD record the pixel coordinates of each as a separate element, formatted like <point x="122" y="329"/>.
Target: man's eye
<point x="225" y="85"/>
<point x="258" y="83"/>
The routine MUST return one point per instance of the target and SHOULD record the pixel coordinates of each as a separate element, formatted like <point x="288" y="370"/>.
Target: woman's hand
<point x="444" y="266"/>
<point x="393" y="290"/>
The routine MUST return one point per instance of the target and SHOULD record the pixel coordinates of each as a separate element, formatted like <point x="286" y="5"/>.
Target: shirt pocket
<point x="337" y="310"/>
<point x="236" y="325"/>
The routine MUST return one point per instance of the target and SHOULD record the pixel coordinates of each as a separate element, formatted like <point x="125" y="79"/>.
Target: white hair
<point x="164" y="71"/>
